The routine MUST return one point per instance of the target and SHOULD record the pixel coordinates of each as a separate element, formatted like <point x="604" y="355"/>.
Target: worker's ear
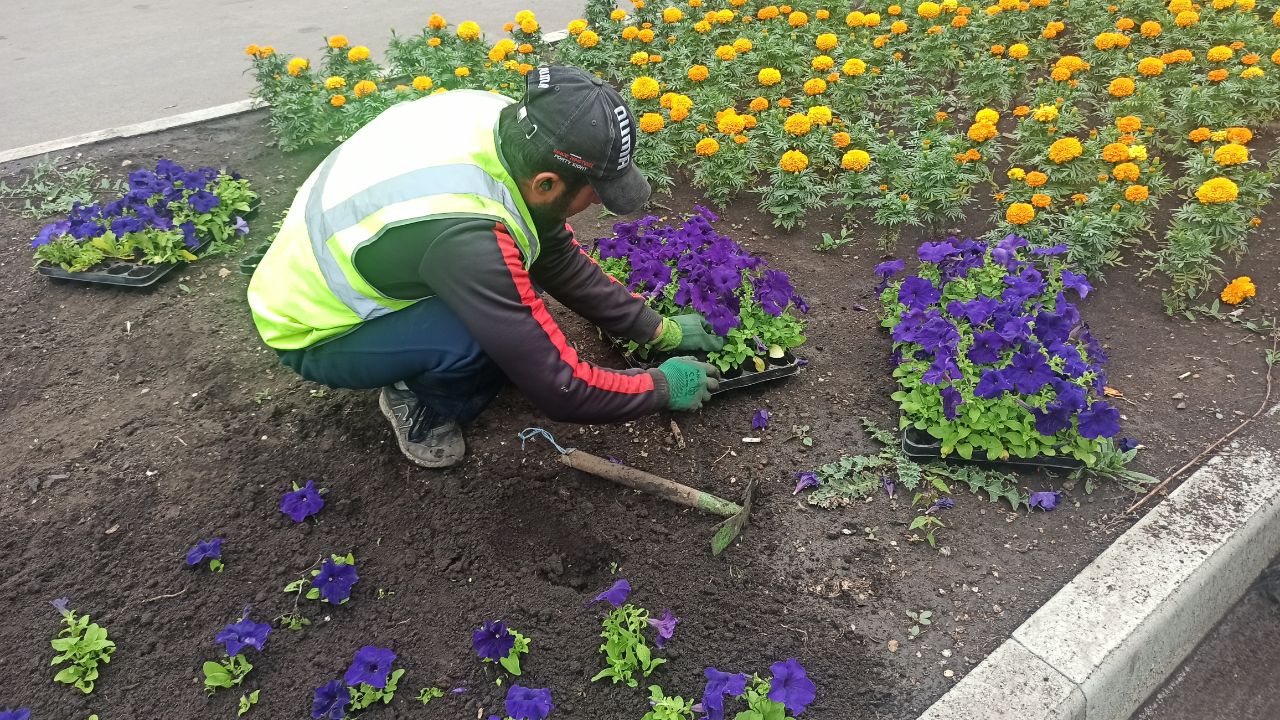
<point x="544" y="188"/>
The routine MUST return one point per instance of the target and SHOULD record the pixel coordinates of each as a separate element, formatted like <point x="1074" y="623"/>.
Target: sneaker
<point x="423" y="439"/>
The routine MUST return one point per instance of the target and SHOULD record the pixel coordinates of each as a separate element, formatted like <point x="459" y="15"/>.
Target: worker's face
<point x="551" y="202"/>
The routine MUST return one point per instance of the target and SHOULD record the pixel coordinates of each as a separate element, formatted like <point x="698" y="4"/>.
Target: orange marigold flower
<point x="841" y="140"/>
<point x="1150" y="66"/>
<point x="1041" y="200"/>
<point x="1217" y="190"/>
<point x="981" y="132"/>
<point x="1129" y="124"/>
<point x="337" y="42"/>
<point x="1121" y="87"/>
<point x="1239" y="290"/>
<point x="784" y="102"/>
<point x="358" y="53"/>
<point x="798" y="124"/>
<point x="252" y="50"/>
<point x="1125" y="24"/>
<point x="826" y="41"/>
<point x="1136" y="193"/>
<point x="1020" y="213"/>
<point x="822" y="63"/>
<point x="898" y="27"/>
<point x="758" y="104"/>
<point x="1126" y="172"/>
<point x="959" y="21"/>
<point x="588" y="39"/>
<point x="1036" y="179"/>
<point x="1151" y="29"/>
<point x="707" y="147"/>
<point x="1251" y="59"/>
<point x="997" y="49"/>
<point x="698" y="73"/>
<point x="793" y="161"/>
<point x="795" y="20"/>
<point x="816" y="86"/>
<point x="1239" y="135"/>
<point x="1021" y="111"/>
<point x="1116" y="153"/>
<point x="1218" y="75"/>
<point x="1187" y="18"/>
<point x="364" y="88"/>
<point x="338" y="100"/>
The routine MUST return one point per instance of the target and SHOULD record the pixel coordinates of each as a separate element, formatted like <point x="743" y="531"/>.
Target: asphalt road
<point x="77" y="66"/>
<point x="1233" y="675"/>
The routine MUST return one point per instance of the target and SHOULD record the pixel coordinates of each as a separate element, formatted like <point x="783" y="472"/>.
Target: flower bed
<point x="165" y="216"/>
<point x="992" y="358"/>
<point x="694" y="268"/>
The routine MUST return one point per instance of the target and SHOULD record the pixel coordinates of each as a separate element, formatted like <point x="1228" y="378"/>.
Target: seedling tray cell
<point x="118" y="272"/>
<point x="923" y="447"/>
<point x="775" y="368"/>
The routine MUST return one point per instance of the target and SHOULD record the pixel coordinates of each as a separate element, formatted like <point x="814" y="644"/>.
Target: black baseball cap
<point x="585" y="124"/>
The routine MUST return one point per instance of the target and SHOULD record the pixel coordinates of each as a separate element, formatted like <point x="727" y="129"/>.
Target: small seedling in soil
<point x="82" y="644"/>
<point x="801" y="433"/>
<point x="321" y="393"/>
<point x="331" y="583"/>
<point x="426" y="695"/>
<point x="625" y="649"/>
<point x="54" y="191"/>
<point x="261" y="396"/>
<point x="247" y="701"/>
<point x="495" y="642"/>
<point x="370" y="678"/>
<point x="831" y="243"/>
<point x="922" y="620"/>
<point x="668" y="708"/>
<point x="210" y="550"/>
<point x="232" y="670"/>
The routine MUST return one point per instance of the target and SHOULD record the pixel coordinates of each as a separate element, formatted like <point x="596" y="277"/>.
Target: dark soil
<point x="135" y="423"/>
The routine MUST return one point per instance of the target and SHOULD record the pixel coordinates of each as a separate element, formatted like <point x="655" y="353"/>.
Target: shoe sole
<point x="390" y="414"/>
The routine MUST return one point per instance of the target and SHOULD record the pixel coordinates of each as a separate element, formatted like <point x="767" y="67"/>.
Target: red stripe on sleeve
<point x="593" y="376"/>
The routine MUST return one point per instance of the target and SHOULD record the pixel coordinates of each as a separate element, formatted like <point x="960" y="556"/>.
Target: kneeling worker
<point x="412" y="259"/>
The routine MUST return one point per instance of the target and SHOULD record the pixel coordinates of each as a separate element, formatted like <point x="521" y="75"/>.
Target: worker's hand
<point x="689" y="382"/>
<point x="687" y="333"/>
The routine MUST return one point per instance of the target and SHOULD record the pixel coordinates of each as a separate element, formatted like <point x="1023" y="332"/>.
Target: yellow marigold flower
<point x="422" y="83"/>
<point x="401" y="88"/>
<point x="1121" y="87"/>
<point x="793" y="161"/>
<point x="795" y="20"/>
<point x="769" y="76"/>
<point x="462" y="72"/>
<point x="1138" y="152"/>
<point x="742" y="45"/>
<point x="1246" y="5"/>
<point x="871" y="20"/>
<point x="826" y="41"/>
<point x="1126" y="172"/>
<point x="433" y="42"/>
<point x="1177" y="6"/>
<point x="667" y="100"/>
<point x="987" y="115"/>
<point x="822" y="63"/>
<point x="1217" y="190"/>
<point x="1150" y="66"/>
<point x="529" y="26"/>
<point x="646" y="35"/>
<point x="1239" y="135"/>
<point x="1036" y="179"/>
<point x="1041" y="200"/>
<point x="1223" y="4"/>
<point x="252" y="50"/>
<point x="731" y="123"/>
<point x="841" y="140"/>
<point x="1020" y="213"/>
<point x="1129" y="124"/>
<point x="577" y="26"/>
<point x="726" y="52"/>
<point x="1238" y="290"/>
<point x="1231" y="154"/>
<point x="702" y="27"/>
<point x="630" y="32"/>
<point x="929" y="10"/>
<point x="364" y="88"/>
<point x="1116" y="153"/>
<point x="672" y="15"/>
<point x="698" y="73"/>
<point x="798" y="124"/>
<point x="724" y="16"/>
<point x="644" y="88"/>
<point x="894" y="10"/>
<point x="1199" y="135"/>
<point x="1219" y="53"/>
<point x="523" y="15"/>
<point x="1136" y="193"/>
<point x="1150" y="29"/>
<point x="358" y="53"/>
<point x="266" y="51"/>
<point x="1125" y="24"/>
<point x="855" y="66"/>
<point x="1065" y="150"/>
<point x="297" y="65"/>
<point x="334" y="82"/>
<point x="1017" y="51"/>
<point x="337" y="42"/>
<point x="1219" y="75"/>
<point x="768" y="12"/>
<point x="651" y="122"/>
<point x="997" y="49"/>
<point x="640" y="58"/>
<point x="1252" y="73"/>
<point x="618" y="15"/>
<point x="758" y="104"/>
<point x="816" y="86"/>
<point x="822" y="14"/>
<point x="749" y="121"/>
<point x="854" y="19"/>
<point x="468" y="31"/>
<point x="338" y="100"/>
<point x="1016" y="174"/>
<point x="1186" y="18"/>
<point x="820" y="115"/>
<point x="898" y="27"/>
<point x="981" y="132"/>
<point x="1046" y="113"/>
<point x="588" y="39"/>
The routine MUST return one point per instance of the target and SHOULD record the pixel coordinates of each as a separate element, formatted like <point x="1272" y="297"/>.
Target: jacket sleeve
<point x="572" y="276"/>
<point x="476" y="268"/>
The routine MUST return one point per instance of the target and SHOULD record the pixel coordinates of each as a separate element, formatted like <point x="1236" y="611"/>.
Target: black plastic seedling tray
<point x="920" y="446"/>
<point x="775" y="368"/>
<point x="118" y="272"/>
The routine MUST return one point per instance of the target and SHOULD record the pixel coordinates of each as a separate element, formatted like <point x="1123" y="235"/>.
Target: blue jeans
<point x="425" y="345"/>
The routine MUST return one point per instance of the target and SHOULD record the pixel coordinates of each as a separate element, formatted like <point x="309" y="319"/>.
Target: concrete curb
<point x="164" y="123"/>
<point x="1108" y="639"/>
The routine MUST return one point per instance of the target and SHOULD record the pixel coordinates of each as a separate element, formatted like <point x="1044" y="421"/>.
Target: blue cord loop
<point x="530" y="433"/>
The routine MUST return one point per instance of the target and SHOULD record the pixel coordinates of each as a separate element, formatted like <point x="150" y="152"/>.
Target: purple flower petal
<point x="666" y="626"/>
<point x="371" y="666"/>
<point x="804" y="480"/>
<point x="528" y="703"/>
<point x="791" y="686"/>
<point x="616" y="595"/>
<point x="760" y="420"/>
<point x="302" y="503"/>
<point x="1046" y="501"/>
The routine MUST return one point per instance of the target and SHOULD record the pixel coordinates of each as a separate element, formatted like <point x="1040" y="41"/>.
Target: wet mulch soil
<point x="134" y="423"/>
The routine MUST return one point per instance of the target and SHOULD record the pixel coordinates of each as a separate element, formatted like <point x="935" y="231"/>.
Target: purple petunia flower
<point x="1079" y="283"/>
<point x="240" y="635"/>
<point x="992" y="384"/>
<point x="1053" y="419"/>
<point x="719" y="685"/>
<point x="942" y="503"/>
<point x="1058" y="249"/>
<point x="241" y="226"/>
<point x="986" y="348"/>
<point x="666" y="627"/>
<point x="791" y="686"/>
<point x="616" y="595"/>
<point x="936" y="252"/>
<point x="889" y="486"/>
<point x="951" y="402"/>
<point x="1028" y="372"/>
<point x="805" y="480"/>
<point x="1100" y="421"/>
<point x="60" y="604"/>
<point x="302" y="503"/>
<point x="51" y="232"/>
<point x="334" y="581"/>
<point x="203" y="201"/>
<point x="528" y="703"/>
<point x="918" y="293"/>
<point x="16" y="714"/>
<point x="189" y="236"/>
<point x="889" y="268"/>
<point x="210" y="549"/>
<point x="331" y="701"/>
<point x="371" y="666"/>
<point x="760" y="420"/>
<point x="1046" y="501"/>
<point x="1127" y="444"/>
<point x="493" y="641"/>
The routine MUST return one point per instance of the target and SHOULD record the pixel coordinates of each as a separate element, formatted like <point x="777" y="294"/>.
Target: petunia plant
<point x="992" y="358"/>
<point x="331" y="583"/>
<point x="210" y="550"/>
<point x="783" y="696"/>
<point x="692" y="267"/>
<point x="626" y="650"/>
<point x="166" y="215"/>
<point x="371" y="679"/>
<point x="82" y="646"/>
<point x="302" y="502"/>
<point x="495" y="642"/>
<point x="236" y="637"/>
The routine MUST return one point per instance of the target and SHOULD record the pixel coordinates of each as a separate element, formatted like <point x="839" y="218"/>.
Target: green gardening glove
<point x="689" y="382"/>
<point x="687" y="333"/>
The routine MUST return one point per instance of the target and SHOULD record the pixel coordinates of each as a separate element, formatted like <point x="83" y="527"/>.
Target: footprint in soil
<point x="577" y="568"/>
